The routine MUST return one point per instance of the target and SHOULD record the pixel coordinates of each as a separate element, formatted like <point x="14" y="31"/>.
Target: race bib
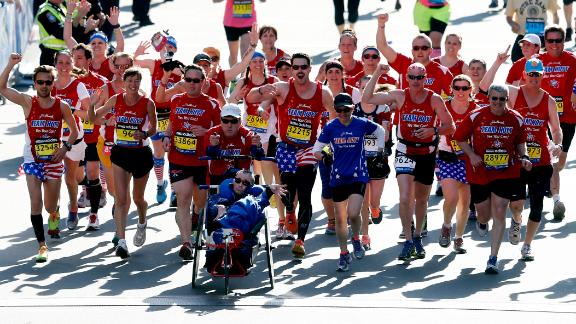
<point x="88" y="127"/>
<point x="496" y="159"/>
<point x="456" y="148"/>
<point x="404" y="164"/>
<point x="162" y="125"/>
<point x="45" y="148"/>
<point x="299" y="134"/>
<point x="559" y="105"/>
<point x="242" y="9"/>
<point x="185" y="142"/>
<point x="535" y="26"/>
<point x="125" y="135"/>
<point x="370" y="147"/>
<point x="534" y="152"/>
<point x="256" y="124"/>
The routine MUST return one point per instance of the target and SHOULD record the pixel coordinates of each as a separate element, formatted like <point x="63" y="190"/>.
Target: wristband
<point x="259" y="91"/>
<point x="115" y="26"/>
<point x="145" y="134"/>
<point x="560" y="145"/>
<point x="436" y="131"/>
<point x="574" y="88"/>
<point x="253" y="45"/>
<point x="525" y="157"/>
<point x="67" y="145"/>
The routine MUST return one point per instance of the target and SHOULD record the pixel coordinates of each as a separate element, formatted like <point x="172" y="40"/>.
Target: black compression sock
<point x="38" y="226"/>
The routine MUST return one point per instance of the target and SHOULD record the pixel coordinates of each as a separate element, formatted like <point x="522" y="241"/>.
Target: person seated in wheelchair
<point x="230" y="138"/>
<point x="234" y="213"/>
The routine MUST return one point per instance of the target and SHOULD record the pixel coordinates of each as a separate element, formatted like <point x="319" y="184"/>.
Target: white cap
<point x="231" y="110"/>
<point x="532" y="38"/>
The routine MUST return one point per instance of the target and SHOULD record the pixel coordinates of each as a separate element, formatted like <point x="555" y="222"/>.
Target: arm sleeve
<point x="318" y="146"/>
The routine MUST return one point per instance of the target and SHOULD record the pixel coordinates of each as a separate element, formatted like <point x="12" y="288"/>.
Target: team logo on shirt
<point x="189" y="111"/>
<point x="554" y="83"/>
<point x="556" y="69"/>
<point x="429" y="81"/>
<point x="533" y="122"/>
<point x="45" y="123"/>
<point x="497" y="144"/>
<point x="293" y="112"/>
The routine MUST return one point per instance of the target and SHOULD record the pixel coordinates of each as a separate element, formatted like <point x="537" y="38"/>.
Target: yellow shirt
<point x="531" y="15"/>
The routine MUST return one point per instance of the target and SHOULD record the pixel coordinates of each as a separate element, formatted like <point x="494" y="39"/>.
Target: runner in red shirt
<point x="530" y="45"/>
<point x="419" y="112"/>
<point x="284" y="70"/>
<point x="370" y="60"/>
<point x="301" y="103"/>
<point x="268" y="36"/>
<point x="348" y="45"/>
<point x="560" y="68"/>
<point x="496" y="152"/>
<point x="191" y="115"/>
<point x="438" y="77"/>
<point x="451" y="58"/>
<point x="43" y="151"/>
<point x="538" y="109"/>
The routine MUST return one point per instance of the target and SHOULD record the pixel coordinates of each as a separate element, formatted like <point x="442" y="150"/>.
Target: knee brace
<point x="536" y="206"/>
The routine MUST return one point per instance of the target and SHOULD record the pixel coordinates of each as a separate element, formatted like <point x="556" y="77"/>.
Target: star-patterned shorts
<point x="451" y="170"/>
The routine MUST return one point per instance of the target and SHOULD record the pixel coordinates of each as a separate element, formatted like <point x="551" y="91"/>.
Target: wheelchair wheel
<point x="226" y="269"/>
<point x="197" y="246"/>
<point x="269" y="257"/>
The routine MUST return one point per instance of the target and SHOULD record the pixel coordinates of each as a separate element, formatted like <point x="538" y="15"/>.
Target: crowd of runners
<point x="421" y="114"/>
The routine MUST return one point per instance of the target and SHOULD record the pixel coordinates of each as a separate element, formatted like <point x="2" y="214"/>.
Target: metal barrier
<point x="16" y="21"/>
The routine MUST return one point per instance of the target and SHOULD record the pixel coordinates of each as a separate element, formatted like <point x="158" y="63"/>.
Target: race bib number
<point x="535" y="26"/>
<point x="299" y="134"/>
<point x="456" y="148"/>
<point x="370" y="147"/>
<point x="559" y="105"/>
<point x="534" y="152"/>
<point x="162" y="125"/>
<point x="496" y="159"/>
<point x="125" y="135"/>
<point x="185" y="142"/>
<point x="45" y="148"/>
<point x="242" y="9"/>
<point x="256" y="124"/>
<point x="88" y="127"/>
<point x="404" y="164"/>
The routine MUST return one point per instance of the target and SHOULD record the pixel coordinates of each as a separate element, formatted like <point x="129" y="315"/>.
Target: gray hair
<point x="500" y="88"/>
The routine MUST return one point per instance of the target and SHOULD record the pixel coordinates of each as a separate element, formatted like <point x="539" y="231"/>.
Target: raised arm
<point x="113" y="19"/>
<point x="142" y="50"/>
<point x="102" y="111"/>
<point x="379" y="98"/>
<point x="12" y="94"/>
<point x="68" y="38"/>
<point x="381" y="42"/>
<point x="328" y="101"/>
<point x="491" y="73"/>
<point x="241" y="66"/>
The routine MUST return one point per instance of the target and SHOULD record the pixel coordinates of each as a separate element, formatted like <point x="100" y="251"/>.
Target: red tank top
<point x="92" y="81"/>
<point x="156" y="77"/>
<point x="272" y="63"/>
<point x="536" y="127"/>
<point x="253" y="122"/>
<point x="455" y="69"/>
<point x="129" y="120"/>
<point x="212" y="90"/>
<point x="44" y="126"/>
<point x="104" y="69"/>
<point x="298" y="119"/>
<point x="413" y="116"/>
<point x="70" y="96"/>
<point x="458" y="118"/>
<point x="186" y="112"/>
<point x="220" y="78"/>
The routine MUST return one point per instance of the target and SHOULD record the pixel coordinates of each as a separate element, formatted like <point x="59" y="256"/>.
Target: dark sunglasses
<point x="499" y="98"/>
<point x="300" y="67"/>
<point x="555" y="40"/>
<point x="244" y="182"/>
<point x="461" y="88"/>
<point x="229" y="121"/>
<point x="195" y="80"/>
<point x="122" y="66"/>
<point x="44" y="82"/>
<point x="215" y="58"/>
<point x="418" y="48"/>
<point x="371" y="56"/>
<point x="343" y="109"/>
<point x="416" y="77"/>
<point x="534" y="74"/>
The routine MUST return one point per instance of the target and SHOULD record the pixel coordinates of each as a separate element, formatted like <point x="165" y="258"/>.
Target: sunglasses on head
<point x="555" y="40"/>
<point x="371" y="56"/>
<point x="300" y="67"/>
<point x="343" y="109"/>
<point x="246" y="183"/>
<point x="229" y="121"/>
<point x="461" y="88"/>
<point x="194" y="80"/>
<point x="499" y="99"/>
<point x="420" y="48"/>
<point x="122" y="66"/>
<point x="534" y="74"/>
<point x="416" y="77"/>
<point x="44" y="82"/>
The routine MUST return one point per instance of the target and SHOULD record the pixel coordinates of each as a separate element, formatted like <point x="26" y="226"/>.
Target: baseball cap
<point x="343" y="100"/>
<point x="98" y="35"/>
<point x="532" y="38"/>
<point x="202" y="57"/>
<point x="534" y="65"/>
<point x="281" y="63"/>
<point x="171" y="41"/>
<point x="231" y="110"/>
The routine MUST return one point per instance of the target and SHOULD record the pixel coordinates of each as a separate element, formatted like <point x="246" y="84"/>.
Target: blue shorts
<point x="325" y="177"/>
<point x="451" y="170"/>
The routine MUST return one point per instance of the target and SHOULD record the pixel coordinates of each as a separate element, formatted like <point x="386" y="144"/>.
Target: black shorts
<point x="567" y="135"/>
<point x="272" y="145"/>
<point x="377" y="171"/>
<point x="137" y="161"/>
<point x="511" y="189"/>
<point x="233" y="33"/>
<point x="538" y="180"/>
<point x="91" y="153"/>
<point x="342" y="192"/>
<point x="181" y="172"/>
<point x="419" y="166"/>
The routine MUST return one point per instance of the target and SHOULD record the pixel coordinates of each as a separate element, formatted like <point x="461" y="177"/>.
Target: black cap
<point x="202" y="57"/>
<point x="343" y="99"/>
<point x="282" y="63"/>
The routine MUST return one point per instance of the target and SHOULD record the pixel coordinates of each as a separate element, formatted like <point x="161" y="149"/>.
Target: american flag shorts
<point x="451" y="170"/>
<point x="290" y="157"/>
<point x="42" y="171"/>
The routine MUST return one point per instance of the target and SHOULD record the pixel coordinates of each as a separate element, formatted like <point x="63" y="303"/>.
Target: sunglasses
<point x="194" y="80"/>
<point x="246" y="183"/>
<point x="461" y="88"/>
<point x="371" y="56"/>
<point x="534" y="74"/>
<point x="343" y="110"/>
<point x="416" y="77"/>
<point x="122" y="66"/>
<point x="420" y="48"/>
<point x="44" y="82"/>
<point x="300" y="67"/>
<point x="499" y="98"/>
<point x="229" y="121"/>
<point x="215" y="58"/>
<point x="555" y="40"/>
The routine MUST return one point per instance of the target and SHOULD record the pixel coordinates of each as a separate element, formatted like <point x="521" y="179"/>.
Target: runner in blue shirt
<point x="349" y="175"/>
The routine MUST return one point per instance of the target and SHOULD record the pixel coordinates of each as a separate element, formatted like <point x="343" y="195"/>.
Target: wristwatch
<point x="67" y="145"/>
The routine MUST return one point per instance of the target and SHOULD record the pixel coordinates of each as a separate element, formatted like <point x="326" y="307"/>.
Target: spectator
<point x="140" y="9"/>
